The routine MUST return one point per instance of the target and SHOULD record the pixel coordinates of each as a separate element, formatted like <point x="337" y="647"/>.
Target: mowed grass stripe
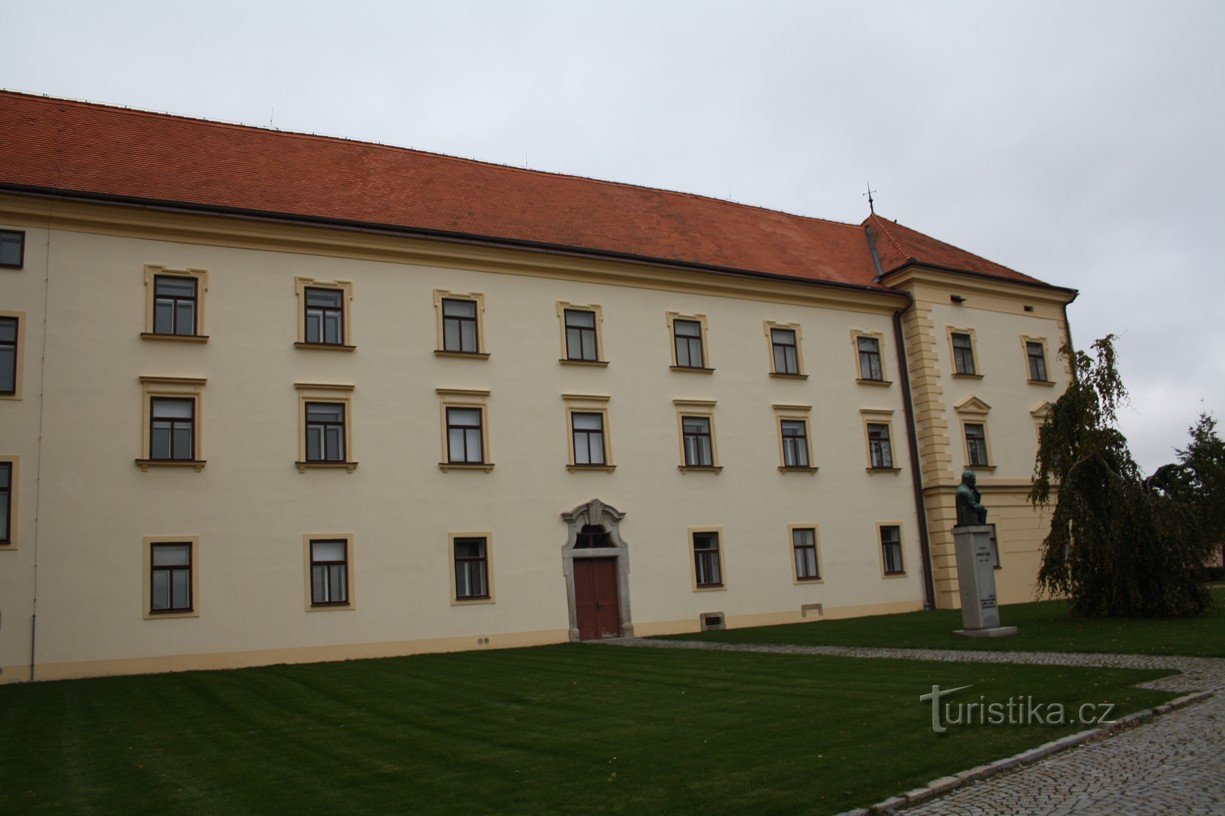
<point x="566" y="729"/>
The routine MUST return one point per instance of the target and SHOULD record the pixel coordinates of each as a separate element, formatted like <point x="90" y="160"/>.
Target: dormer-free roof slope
<point x="98" y="151"/>
<point x="898" y="247"/>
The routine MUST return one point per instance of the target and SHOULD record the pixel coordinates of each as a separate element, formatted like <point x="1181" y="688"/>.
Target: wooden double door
<point x="596" y="601"/>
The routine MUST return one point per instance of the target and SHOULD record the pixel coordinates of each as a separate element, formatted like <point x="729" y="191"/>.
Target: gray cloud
<point x="1077" y="142"/>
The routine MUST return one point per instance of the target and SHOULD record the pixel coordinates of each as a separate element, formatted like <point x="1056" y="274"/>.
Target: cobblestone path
<point x="1173" y="765"/>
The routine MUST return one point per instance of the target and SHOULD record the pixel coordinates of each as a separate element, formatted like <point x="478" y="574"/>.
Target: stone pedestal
<point x="980" y="613"/>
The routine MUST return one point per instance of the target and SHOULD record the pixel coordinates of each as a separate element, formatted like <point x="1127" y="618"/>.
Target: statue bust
<point x="970" y="510"/>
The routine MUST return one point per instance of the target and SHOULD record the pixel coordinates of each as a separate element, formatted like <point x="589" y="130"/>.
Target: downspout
<point x="912" y="437"/>
<point x="1067" y="329"/>
<point x="42" y="406"/>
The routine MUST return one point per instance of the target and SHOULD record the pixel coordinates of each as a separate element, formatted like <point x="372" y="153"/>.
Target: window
<point x="785" y="354"/>
<point x="804" y="552"/>
<point x="688" y="343"/>
<point x="10" y="355"/>
<point x="581" y="343"/>
<point x="698" y="449"/>
<point x="688" y="338"/>
<point x="174" y="305"/>
<point x="1035" y="354"/>
<point x="795" y="443"/>
<point x="588" y="430"/>
<point x="871" y="366"/>
<point x="891" y="549"/>
<point x="329" y="571"/>
<point x="7" y="505"/>
<point x="707" y="566"/>
<point x="976" y="445"/>
<point x="12" y="249"/>
<point x="323" y="314"/>
<point x="465" y="437"/>
<point x="170" y="580"/>
<point x="171" y="577"/>
<point x="587" y="426"/>
<point x="581" y="338"/>
<point x="172" y="423"/>
<point x="592" y="536"/>
<point x="880" y="451"/>
<point x="465" y="429"/>
<point x="973" y="412"/>
<point x="1039" y="413"/>
<point x="459" y="326"/>
<point x="963" y="353"/>
<point x="794" y="446"/>
<point x="471" y="568"/>
<point x="325" y="431"/>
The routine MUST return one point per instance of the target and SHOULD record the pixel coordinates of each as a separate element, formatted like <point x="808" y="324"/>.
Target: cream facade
<point x="75" y="583"/>
<point x="1001" y="398"/>
<point x="241" y="437"/>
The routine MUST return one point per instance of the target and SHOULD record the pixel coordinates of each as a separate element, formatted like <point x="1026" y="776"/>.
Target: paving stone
<point x="1171" y="763"/>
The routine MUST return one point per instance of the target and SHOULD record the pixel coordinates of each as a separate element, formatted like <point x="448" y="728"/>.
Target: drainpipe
<point x="929" y="586"/>
<point x="912" y="437"/>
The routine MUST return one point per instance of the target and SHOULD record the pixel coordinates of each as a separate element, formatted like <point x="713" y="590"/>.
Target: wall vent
<point x="712" y="620"/>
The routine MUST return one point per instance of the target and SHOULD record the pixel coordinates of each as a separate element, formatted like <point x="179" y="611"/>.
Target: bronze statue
<point x="970" y="510"/>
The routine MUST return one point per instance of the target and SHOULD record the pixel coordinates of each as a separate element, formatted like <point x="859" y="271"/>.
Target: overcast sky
<point x="1079" y="142"/>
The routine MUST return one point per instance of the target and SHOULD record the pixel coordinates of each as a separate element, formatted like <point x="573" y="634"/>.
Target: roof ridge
<point x="53" y="100"/>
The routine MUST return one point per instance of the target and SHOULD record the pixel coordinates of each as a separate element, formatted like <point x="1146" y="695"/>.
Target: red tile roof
<point x="898" y="246"/>
<point x="76" y="147"/>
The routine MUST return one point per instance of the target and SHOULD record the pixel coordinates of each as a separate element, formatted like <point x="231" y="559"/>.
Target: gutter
<point x="431" y="234"/>
<point x="996" y="278"/>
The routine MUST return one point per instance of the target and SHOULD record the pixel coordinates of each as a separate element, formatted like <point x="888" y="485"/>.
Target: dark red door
<point x="595" y="598"/>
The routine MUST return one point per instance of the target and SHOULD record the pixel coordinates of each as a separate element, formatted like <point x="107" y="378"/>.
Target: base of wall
<point x="268" y="657"/>
<point x="687" y="626"/>
<point x="71" y="670"/>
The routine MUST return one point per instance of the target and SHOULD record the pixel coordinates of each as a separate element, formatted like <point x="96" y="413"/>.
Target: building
<point x="269" y="397"/>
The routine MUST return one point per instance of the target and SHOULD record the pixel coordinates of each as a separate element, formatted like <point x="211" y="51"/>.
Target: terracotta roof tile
<point x="902" y="246"/>
<point x="102" y="150"/>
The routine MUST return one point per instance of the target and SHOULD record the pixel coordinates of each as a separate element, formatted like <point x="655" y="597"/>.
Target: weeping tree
<point x="1198" y="479"/>
<point x="1117" y="545"/>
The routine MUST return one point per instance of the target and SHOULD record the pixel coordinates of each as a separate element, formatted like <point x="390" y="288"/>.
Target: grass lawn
<point x="1043" y="626"/>
<point x="571" y="729"/>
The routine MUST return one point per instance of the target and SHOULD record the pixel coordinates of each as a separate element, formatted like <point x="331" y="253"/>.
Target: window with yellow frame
<point x="786" y="343"/>
<point x="582" y="334"/>
<point x="171" y="422"/>
<point x="589" y="441"/>
<point x="325" y="314"/>
<point x="175" y="302"/>
<point x="464" y="414"/>
<point x="690" y="351"/>
<point x="794" y="438"/>
<point x="460" y="318"/>
<point x="325" y="427"/>
<point x="870" y="364"/>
